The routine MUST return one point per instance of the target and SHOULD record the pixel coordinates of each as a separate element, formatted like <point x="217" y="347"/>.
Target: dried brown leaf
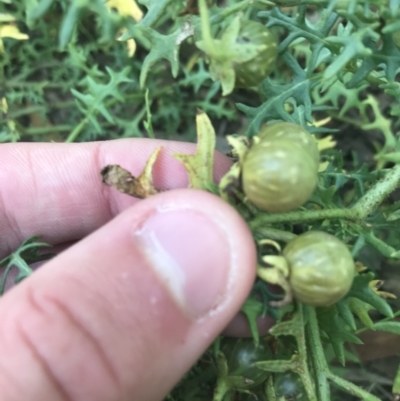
<point x="122" y="180"/>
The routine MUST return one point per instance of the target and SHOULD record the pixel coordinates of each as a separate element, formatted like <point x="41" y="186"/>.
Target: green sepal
<point x="226" y="383"/>
<point x="361" y="290"/>
<point x="389" y="327"/>
<point x="331" y="323"/>
<point x="226" y="52"/>
<point x="346" y="313"/>
<point x="361" y="309"/>
<point x="252" y="309"/>
<point x="163" y="47"/>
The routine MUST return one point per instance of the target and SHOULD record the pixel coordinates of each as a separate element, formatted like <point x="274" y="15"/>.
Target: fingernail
<point x="190" y="253"/>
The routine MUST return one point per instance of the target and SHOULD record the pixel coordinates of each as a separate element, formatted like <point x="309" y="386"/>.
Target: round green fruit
<point x="321" y="268"/>
<point x="241" y="355"/>
<point x="289" y="386"/>
<point x="278" y="175"/>
<point x="254" y="71"/>
<point x="295" y="133"/>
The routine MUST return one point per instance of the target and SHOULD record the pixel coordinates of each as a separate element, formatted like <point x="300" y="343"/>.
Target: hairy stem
<point x="302" y="216"/>
<point x="352" y="388"/>
<point x="298" y="363"/>
<point x="274" y="234"/>
<point x="317" y="355"/>
<point x="377" y="194"/>
<point x="359" y="212"/>
<point x="385" y="249"/>
<point x="305" y="373"/>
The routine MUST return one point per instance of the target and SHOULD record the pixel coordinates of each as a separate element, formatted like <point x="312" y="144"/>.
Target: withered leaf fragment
<point x="122" y="180"/>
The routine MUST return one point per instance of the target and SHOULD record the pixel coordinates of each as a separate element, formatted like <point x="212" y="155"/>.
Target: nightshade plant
<point x="82" y="70"/>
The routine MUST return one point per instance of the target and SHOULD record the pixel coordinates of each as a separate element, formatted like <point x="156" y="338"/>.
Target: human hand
<point x="144" y="289"/>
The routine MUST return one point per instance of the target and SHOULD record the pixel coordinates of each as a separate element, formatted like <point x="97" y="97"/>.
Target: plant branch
<point x="317" y="355"/>
<point x="377" y="194"/>
<point x="302" y="216"/>
<point x="274" y="234"/>
<point x="77" y="130"/>
<point x="298" y="363"/>
<point x="352" y="388"/>
<point x="359" y="212"/>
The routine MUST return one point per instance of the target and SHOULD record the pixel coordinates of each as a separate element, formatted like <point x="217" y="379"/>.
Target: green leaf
<point x="394" y="216"/>
<point x="200" y="165"/>
<point x="197" y="78"/>
<point x="301" y="27"/>
<point x="379" y="121"/>
<point x="155" y="11"/>
<point x="346" y="313"/>
<point x="26" y="254"/>
<point x="361" y="309"/>
<point x="225" y="53"/>
<point x="297" y="93"/>
<point x="390" y="327"/>
<point x="69" y="22"/>
<point x="337" y="91"/>
<point x="353" y="46"/>
<point x="335" y="175"/>
<point x="253" y="309"/>
<point x="330" y="322"/>
<point x="162" y="47"/>
<point x="361" y="290"/>
<point x="37" y="9"/>
<point x="387" y="55"/>
<point x="108" y="22"/>
<point x="92" y="102"/>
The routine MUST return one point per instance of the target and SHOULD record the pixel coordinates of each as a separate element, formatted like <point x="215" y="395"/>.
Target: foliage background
<point x="88" y="70"/>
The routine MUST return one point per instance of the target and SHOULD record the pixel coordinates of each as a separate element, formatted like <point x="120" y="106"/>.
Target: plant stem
<point x="385" y="249"/>
<point x="377" y="194"/>
<point x="301" y="216"/>
<point x="274" y="234"/>
<point x="321" y="370"/>
<point x="386" y="319"/>
<point x="298" y="363"/>
<point x="301" y="343"/>
<point x="47" y="130"/>
<point x="75" y="133"/>
<point x="359" y="212"/>
<point x="317" y="355"/>
<point x="352" y="388"/>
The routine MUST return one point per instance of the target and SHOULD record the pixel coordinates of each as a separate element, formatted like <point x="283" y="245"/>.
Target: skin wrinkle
<point x="78" y="326"/>
<point x="64" y="180"/>
<point x="48" y="372"/>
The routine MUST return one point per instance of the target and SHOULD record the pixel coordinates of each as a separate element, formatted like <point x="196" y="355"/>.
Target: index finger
<point x="55" y="190"/>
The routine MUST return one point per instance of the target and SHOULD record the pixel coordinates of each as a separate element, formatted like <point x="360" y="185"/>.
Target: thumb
<point x="124" y="313"/>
